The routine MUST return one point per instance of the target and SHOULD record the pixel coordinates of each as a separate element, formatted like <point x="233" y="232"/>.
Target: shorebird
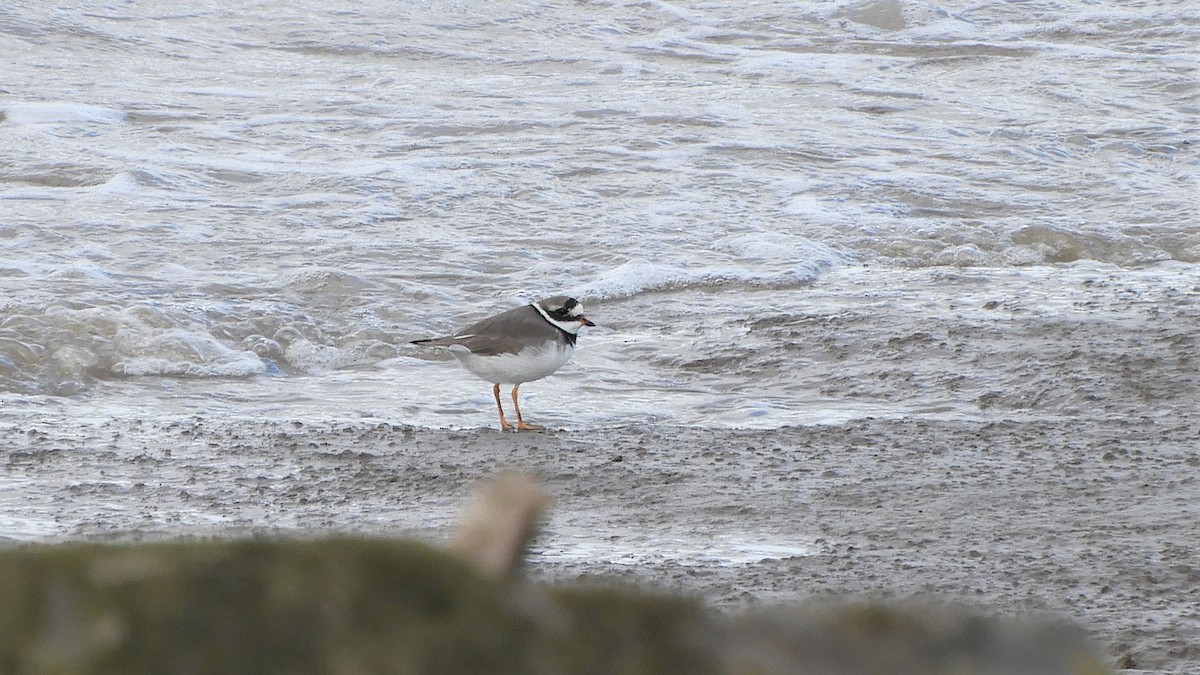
<point x="521" y="345"/>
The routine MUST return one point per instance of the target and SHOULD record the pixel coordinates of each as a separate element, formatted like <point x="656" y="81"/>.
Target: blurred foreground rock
<point x="348" y="605"/>
<point x="355" y="605"/>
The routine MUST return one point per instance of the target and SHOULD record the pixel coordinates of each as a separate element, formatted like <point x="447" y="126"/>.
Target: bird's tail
<point x="436" y="342"/>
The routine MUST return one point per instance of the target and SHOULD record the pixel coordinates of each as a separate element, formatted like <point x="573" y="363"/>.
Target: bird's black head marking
<point x="564" y="313"/>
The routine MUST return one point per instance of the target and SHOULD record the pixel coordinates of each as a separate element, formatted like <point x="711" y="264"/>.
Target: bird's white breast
<point x="527" y="365"/>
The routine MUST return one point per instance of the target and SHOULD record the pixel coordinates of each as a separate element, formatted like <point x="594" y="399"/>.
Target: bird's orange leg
<point x="503" y="422"/>
<point x="521" y="425"/>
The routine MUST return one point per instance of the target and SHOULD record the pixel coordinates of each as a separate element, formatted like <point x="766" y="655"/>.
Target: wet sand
<point x="1093" y="520"/>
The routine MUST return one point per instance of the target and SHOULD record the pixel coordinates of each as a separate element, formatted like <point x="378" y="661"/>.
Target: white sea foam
<point x="640" y="549"/>
<point x="325" y="280"/>
<point x="183" y="353"/>
<point x="760" y="259"/>
<point x="123" y="183"/>
<point x="60" y="112"/>
<point x="309" y="357"/>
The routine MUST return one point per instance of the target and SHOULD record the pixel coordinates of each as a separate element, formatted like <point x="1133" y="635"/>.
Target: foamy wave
<point x="60" y="112"/>
<point x="759" y="259"/>
<point x="62" y="351"/>
<point x="310" y="357"/>
<point x="180" y="352"/>
<point x="325" y="280"/>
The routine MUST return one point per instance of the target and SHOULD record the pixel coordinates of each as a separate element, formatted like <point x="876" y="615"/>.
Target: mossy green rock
<point x="353" y="605"/>
<point x="338" y="606"/>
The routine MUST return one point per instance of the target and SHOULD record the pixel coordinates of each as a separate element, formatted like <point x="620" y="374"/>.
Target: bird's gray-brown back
<point x="506" y="333"/>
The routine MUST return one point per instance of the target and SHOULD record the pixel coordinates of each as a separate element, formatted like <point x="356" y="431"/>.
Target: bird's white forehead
<point x="577" y="310"/>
